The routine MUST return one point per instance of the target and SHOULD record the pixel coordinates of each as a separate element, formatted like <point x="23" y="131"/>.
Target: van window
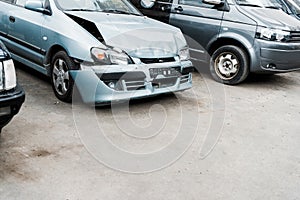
<point x="294" y="5"/>
<point x="259" y="3"/>
<point x="197" y="3"/>
<point x="21" y="2"/>
<point x="8" y="1"/>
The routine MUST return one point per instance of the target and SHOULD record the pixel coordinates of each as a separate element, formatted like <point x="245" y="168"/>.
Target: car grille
<point x="294" y="36"/>
<point x="133" y="85"/>
<point x="156" y="83"/>
<point x="124" y="81"/>
<point x="164" y="82"/>
<point x="166" y="72"/>
<point x="157" y="60"/>
<point x="161" y="78"/>
<point x="184" y="78"/>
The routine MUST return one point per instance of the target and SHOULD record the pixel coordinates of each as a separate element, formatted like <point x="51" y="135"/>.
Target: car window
<point x="23" y="2"/>
<point x="197" y="3"/>
<point x="191" y="2"/>
<point x="8" y="1"/>
<point x="97" y="5"/>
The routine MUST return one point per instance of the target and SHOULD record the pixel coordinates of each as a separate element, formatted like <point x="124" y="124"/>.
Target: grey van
<point x="240" y="36"/>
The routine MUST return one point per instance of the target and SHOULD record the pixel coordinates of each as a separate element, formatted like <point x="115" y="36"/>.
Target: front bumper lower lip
<point x="93" y="90"/>
<point x="279" y="57"/>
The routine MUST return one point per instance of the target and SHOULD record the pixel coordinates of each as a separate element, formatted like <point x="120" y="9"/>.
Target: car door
<point x="24" y="32"/>
<point x="6" y="7"/>
<point x="199" y="21"/>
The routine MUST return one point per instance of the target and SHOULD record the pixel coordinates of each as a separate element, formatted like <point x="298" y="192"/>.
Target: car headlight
<point x="184" y="54"/>
<point x="272" y="34"/>
<point x="110" y="56"/>
<point x="8" y="79"/>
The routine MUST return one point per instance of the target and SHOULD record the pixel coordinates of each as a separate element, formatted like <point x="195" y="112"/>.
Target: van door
<point x="199" y="21"/>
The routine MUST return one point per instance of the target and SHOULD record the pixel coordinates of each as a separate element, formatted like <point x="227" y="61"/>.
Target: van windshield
<point x="112" y="6"/>
<point x="259" y="3"/>
<point x="294" y="5"/>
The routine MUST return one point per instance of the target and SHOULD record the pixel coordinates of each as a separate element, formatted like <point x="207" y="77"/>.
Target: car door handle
<point x="179" y="9"/>
<point x="12" y="19"/>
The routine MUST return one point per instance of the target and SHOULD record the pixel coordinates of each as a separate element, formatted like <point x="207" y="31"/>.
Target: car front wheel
<point x="62" y="82"/>
<point x="229" y="65"/>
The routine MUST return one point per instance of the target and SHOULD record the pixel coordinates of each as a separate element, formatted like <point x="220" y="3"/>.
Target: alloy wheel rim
<point x="60" y="76"/>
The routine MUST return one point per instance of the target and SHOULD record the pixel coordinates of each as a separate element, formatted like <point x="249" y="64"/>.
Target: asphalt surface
<point x="211" y="142"/>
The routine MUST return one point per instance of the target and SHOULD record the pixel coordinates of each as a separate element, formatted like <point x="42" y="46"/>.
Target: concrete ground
<point x="211" y="142"/>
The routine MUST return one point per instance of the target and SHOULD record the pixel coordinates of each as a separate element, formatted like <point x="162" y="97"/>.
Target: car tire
<point x="229" y="65"/>
<point x="4" y="121"/>
<point x="62" y="82"/>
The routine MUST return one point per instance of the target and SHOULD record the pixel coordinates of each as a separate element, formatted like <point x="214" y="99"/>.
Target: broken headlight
<point x="184" y="53"/>
<point x="110" y="56"/>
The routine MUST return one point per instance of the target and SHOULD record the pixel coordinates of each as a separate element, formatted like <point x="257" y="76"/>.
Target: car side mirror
<point x="37" y="6"/>
<point x="214" y="2"/>
<point x="147" y="3"/>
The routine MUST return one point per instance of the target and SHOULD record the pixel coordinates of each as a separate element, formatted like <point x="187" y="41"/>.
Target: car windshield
<point x="259" y="3"/>
<point x="112" y="6"/>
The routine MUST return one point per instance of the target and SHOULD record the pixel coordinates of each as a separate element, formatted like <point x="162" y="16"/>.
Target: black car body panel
<point x="12" y="99"/>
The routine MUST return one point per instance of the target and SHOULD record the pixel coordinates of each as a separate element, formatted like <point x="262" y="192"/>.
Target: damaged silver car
<point x="107" y="48"/>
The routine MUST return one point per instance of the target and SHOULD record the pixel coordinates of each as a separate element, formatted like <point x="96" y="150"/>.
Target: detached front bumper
<point x="10" y="104"/>
<point x="278" y="57"/>
<point x="104" y="84"/>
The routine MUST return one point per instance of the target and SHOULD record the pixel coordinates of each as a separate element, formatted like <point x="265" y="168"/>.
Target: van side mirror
<point x="218" y="4"/>
<point x="37" y="6"/>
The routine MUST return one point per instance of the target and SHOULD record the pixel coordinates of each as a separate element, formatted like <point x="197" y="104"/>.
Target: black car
<point x="12" y="95"/>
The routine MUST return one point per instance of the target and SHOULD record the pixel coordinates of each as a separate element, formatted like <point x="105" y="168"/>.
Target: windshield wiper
<point x="120" y="12"/>
<point x="248" y="4"/>
<point x="82" y="9"/>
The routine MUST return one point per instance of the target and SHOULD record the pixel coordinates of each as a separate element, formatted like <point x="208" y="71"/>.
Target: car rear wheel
<point x="62" y="82"/>
<point x="229" y="65"/>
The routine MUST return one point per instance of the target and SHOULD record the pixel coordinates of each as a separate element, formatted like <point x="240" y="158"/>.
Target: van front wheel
<point x="229" y="65"/>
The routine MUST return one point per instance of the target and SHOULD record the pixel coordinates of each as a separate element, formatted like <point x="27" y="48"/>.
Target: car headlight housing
<point x="184" y="53"/>
<point x="8" y="79"/>
<point x="273" y="34"/>
<point x="110" y="56"/>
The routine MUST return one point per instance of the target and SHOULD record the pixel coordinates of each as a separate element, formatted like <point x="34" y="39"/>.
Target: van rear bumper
<point x="277" y="57"/>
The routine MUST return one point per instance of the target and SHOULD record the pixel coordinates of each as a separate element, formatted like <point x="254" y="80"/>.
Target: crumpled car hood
<point x="273" y="18"/>
<point x="138" y="36"/>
